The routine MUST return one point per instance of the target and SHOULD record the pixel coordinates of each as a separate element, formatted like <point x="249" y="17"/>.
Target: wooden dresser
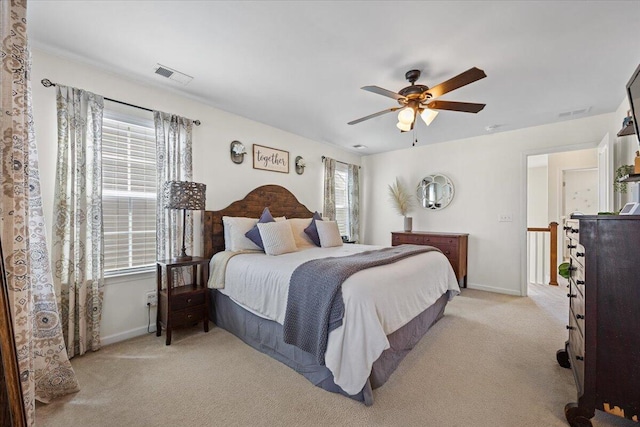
<point x="453" y="245"/>
<point x="603" y="349"/>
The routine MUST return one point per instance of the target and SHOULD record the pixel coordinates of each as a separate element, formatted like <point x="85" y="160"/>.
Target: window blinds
<point x="128" y="193"/>
<point x="342" y="198"/>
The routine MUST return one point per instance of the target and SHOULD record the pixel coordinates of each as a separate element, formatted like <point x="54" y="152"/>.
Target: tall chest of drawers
<point x="452" y="245"/>
<point x="603" y="349"/>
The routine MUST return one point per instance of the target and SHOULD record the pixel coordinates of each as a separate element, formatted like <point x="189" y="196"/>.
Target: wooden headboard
<point x="279" y="200"/>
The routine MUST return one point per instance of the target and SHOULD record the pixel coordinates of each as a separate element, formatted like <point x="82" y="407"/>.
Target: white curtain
<point x="173" y="150"/>
<point x="45" y="371"/>
<point x="77" y="232"/>
<point x="329" y="202"/>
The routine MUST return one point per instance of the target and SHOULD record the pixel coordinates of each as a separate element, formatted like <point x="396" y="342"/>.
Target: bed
<point x="383" y="321"/>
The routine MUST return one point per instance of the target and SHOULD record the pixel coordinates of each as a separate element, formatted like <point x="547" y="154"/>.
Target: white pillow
<point x="235" y="228"/>
<point x="329" y="234"/>
<point x="297" y="227"/>
<point x="277" y="237"/>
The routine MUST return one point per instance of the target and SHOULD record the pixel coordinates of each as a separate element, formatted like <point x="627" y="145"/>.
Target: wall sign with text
<point x="270" y="159"/>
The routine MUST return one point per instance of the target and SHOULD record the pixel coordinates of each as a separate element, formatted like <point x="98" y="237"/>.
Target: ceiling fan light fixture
<point x="428" y="115"/>
<point x="406" y="115"/>
<point x="405" y="127"/>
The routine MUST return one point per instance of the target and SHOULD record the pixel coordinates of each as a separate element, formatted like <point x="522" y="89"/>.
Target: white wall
<point x="489" y="174"/>
<point x="125" y="313"/>
<point x="558" y="162"/>
<point x="537" y="199"/>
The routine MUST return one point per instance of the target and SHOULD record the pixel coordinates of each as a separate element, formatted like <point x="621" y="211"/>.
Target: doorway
<point x="558" y="185"/>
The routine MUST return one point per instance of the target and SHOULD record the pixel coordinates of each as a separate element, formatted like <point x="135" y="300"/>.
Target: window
<point x="342" y="198"/>
<point x="129" y="193"/>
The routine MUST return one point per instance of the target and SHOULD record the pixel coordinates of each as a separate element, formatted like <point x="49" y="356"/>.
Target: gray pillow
<point x="254" y="233"/>
<point x="312" y="229"/>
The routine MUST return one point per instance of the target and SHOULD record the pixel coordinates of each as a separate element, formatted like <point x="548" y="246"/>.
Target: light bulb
<point x="428" y="115"/>
<point x="406" y="115"/>
<point x="406" y="127"/>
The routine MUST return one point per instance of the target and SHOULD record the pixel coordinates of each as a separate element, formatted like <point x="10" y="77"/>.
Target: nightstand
<point x="182" y="305"/>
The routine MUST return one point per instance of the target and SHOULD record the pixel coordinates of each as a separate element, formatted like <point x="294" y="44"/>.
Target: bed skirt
<point x="266" y="336"/>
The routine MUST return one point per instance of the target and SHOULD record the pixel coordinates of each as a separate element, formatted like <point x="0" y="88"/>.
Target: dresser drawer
<point x="577" y="253"/>
<point x="187" y="316"/>
<point x="573" y="230"/>
<point x="425" y="239"/>
<point x="576" y="352"/>
<point x="179" y="302"/>
<point x="577" y="305"/>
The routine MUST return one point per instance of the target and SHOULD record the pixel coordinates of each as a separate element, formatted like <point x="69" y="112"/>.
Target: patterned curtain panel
<point x="77" y="231"/>
<point x="45" y="371"/>
<point x="173" y="150"/>
<point x="329" y="202"/>
<point x="354" y="202"/>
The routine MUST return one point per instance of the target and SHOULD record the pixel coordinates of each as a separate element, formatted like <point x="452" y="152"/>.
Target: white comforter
<point x="377" y="301"/>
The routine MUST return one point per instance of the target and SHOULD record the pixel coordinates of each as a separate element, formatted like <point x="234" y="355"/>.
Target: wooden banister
<point x="553" y="256"/>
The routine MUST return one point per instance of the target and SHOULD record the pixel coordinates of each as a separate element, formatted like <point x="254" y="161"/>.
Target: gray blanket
<point x="315" y="306"/>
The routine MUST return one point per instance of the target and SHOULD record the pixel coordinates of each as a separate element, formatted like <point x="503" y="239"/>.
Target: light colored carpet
<point x="489" y="362"/>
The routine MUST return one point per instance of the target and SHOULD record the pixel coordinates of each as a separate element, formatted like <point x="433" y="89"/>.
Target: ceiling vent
<point x="359" y="146"/>
<point x="573" y="113"/>
<point x="172" y="74"/>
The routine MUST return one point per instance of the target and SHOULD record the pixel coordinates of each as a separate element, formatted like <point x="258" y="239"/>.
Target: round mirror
<point x="435" y="192"/>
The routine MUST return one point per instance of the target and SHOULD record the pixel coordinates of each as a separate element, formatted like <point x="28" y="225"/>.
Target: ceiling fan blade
<point x="383" y="92"/>
<point x="371" y="116"/>
<point x="465" y="107"/>
<point x="463" y="79"/>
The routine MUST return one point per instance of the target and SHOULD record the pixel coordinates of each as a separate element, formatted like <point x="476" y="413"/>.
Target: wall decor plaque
<point x="270" y="159"/>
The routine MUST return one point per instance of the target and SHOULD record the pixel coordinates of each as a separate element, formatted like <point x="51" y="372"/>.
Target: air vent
<point x="164" y="72"/>
<point x="577" y="112"/>
<point x="172" y="74"/>
<point x="360" y="146"/>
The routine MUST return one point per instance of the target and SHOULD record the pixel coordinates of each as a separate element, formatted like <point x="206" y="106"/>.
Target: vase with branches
<point x="402" y="202"/>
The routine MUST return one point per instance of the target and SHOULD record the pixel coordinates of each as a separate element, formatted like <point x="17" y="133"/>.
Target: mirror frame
<point x="434" y="179"/>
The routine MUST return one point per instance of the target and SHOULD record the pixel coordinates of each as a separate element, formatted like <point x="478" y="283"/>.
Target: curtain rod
<point x="338" y="161"/>
<point x="49" y="83"/>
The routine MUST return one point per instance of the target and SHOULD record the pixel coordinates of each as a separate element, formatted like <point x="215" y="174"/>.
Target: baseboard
<point x="514" y="292"/>
<point x="132" y="333"/>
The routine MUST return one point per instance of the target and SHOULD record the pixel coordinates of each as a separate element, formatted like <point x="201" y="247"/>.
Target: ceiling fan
<point x="420" y="99"/>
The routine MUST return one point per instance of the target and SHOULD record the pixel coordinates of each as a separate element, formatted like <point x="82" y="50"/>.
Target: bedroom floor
<point x="489" y="362"/>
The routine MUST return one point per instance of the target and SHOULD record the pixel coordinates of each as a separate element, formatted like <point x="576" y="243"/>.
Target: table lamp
<point x="183" y="195"/>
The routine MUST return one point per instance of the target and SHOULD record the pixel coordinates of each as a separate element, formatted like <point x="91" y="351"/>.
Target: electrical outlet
<point x="152" y="299"/>
<point x="505" y="218"/>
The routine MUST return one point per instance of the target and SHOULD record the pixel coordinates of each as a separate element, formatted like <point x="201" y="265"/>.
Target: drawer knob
<point x="570" y="327"/>
<point x="579" y="358"/>
<point x="579" y="254"/>
<point x="572" y="268"/>
<point x="188" y="300"/>
<point x="580" y="282"/>
<point x="574" y="230"/>
<point x="571" y="295"/>
<point x="566" y="228"/>
<point x="571" y="246"/>
<point x="189" y="316"/>
<point x="580" y="316"/>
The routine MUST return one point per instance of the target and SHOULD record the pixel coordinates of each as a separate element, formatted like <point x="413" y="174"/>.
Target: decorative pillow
<point x="297" y="227"/>
<point x="234" y="231"/>
<point x="254" y="233"/>
<point x="329" y="234"/>
<point x="312" y="230"/>
<point x="277" y="237"/>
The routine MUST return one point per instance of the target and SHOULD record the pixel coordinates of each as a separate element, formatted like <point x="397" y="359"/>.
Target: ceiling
<point x="299" y="66"/>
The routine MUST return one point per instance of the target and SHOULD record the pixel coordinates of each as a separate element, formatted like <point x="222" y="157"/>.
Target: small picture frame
<point x="270" y="159"/>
